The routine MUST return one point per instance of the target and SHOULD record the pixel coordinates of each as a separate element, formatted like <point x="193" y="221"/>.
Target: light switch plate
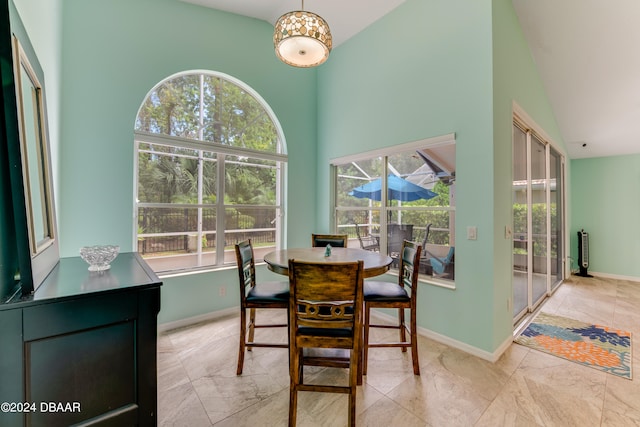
<point x="472" y="232"/>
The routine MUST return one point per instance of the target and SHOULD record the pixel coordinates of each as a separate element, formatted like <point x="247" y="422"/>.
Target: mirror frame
<point x="37" y="180"/>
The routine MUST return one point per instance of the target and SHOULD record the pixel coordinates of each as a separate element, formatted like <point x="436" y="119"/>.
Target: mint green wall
<point x="113" y="53"/>
<point x="605" y="203"/>
<point x="515" y="78"/>
<point x="424" y="70"/>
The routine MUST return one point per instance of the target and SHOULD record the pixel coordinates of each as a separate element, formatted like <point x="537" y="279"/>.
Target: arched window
<point x="209" y="169"/>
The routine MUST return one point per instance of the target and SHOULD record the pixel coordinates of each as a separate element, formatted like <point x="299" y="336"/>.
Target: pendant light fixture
<point x="302" y="39"/>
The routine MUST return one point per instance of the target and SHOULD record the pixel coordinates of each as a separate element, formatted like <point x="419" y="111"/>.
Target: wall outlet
<point x="222" y="291"/>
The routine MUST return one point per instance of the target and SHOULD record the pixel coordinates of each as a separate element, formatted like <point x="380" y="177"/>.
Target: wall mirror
<point x="36" y="167"/>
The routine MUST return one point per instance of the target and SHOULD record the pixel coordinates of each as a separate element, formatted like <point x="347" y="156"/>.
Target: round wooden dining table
<point x="375" y="263"/>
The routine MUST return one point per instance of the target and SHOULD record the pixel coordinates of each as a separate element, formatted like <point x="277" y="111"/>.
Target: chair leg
<point x="294" y="379"/>
<point x="352" y="409"/>
<point x="252" y="325"/>
<point x="293" y="404"/>
<point x="414" y="343"/>
<point x="243" y="331"/>
<point x="360" y="369"/>
<point x="403" y="328"/>
<point x="365" y="339"/>
<point x="353" y="379"/>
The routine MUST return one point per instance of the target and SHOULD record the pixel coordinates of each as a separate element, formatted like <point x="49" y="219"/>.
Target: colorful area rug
<point x="599" y="347"/>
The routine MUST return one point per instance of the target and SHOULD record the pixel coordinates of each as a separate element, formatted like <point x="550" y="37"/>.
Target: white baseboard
<point x="443" y="339"/>
<point x="163" y="327"/>
<point x="615" y="276"/>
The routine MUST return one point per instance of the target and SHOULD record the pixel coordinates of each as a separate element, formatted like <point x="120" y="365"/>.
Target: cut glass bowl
<point x="99" y="257"/>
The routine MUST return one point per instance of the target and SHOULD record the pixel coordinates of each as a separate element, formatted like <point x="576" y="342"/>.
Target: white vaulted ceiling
<point x="587" y="53"/>
<point x="345" y="17"/>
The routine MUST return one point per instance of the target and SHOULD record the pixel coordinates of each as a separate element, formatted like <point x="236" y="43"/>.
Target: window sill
<point x="447" y="284"/>
<point x="427" y="281"/>
<point x="170" y="274"/>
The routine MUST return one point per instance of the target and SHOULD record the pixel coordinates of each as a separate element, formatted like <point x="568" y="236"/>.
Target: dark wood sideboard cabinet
<point x="81" y="350"/>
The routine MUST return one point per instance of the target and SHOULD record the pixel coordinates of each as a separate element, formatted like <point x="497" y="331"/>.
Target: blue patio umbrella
<point x="399" y="189"/>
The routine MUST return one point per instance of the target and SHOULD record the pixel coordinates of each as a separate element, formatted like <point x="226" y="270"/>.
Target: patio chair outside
<point x="368" y="242"/>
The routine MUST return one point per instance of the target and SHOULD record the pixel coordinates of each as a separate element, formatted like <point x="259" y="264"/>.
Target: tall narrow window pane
<point x="557" y="210"/>
<point x="539" y="217"/>
<point x="359" y="213"/>
<point x="520" y="222"/>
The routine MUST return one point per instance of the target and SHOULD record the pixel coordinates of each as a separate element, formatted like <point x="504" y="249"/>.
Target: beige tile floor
<point x="197" y="384"/>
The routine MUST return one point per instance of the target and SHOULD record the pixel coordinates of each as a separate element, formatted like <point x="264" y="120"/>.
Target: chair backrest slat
<point x="246" y="266"/>
<point x="335" y="240"/>
<point x="325" y="295"/>
<point x="409" y="265"/>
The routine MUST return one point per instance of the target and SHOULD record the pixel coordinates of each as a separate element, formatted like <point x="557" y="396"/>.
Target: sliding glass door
<point x="538" y="210"/>
<point x="538" y="225"/>
<point x="556" y="190"/>
<point x="520" y="223"/>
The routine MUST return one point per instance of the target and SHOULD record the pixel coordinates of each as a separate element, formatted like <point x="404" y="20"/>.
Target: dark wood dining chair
<point x="335" y="240"/>
<point x="253" y="296"/>
<point x="325" y="312"/>
<point x="401" y="295"/>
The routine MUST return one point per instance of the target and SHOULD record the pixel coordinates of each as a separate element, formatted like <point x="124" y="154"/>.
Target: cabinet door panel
<point x="11" y="387"/>
<point x="92" y="371"/>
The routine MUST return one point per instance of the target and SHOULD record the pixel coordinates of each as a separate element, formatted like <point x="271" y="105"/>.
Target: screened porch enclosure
<point x="408" y="195"/>
<point x="172" y="240"/>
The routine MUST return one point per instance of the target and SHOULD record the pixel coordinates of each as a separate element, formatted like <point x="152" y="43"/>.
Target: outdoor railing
<point x="169" y="230"/>
<point x="176" y="243"/>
